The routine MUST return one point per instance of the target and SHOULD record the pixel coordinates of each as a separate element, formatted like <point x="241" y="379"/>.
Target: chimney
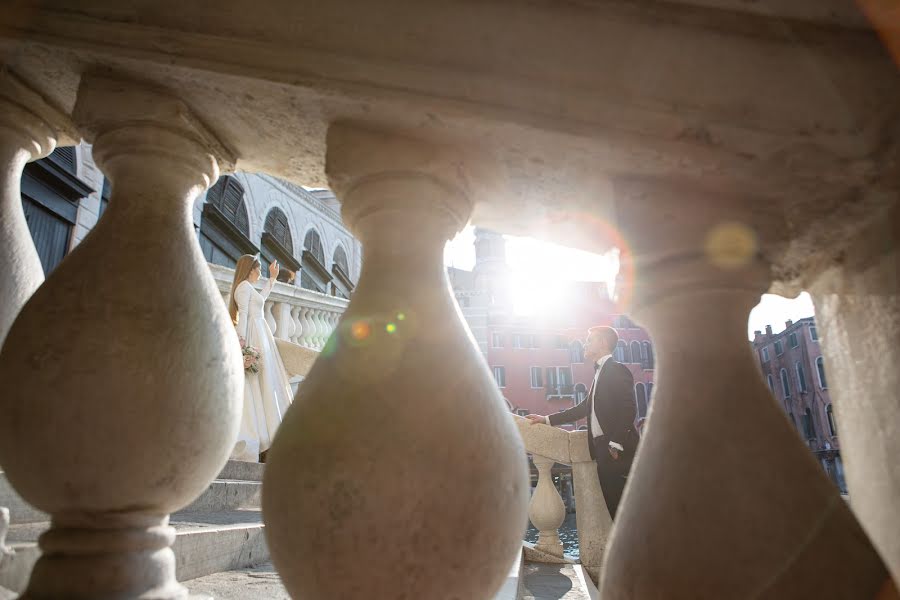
<point x="768" y="330"/>
<point x="788" y="323"/>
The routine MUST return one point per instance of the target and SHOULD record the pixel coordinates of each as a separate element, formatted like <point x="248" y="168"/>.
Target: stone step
<point x="263" y="583"/>
<point x="238" y="486"/>
<point x="205" y="543"/>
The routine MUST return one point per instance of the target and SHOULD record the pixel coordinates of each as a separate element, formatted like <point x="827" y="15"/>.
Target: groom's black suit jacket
<point x="612" y="400"/>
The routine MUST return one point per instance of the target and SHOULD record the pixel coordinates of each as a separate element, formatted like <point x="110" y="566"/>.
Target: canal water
<point x="568" y="535"/>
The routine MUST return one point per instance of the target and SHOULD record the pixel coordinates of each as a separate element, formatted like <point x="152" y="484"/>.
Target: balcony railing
<point x="295" y="314"/>
<point x="549" y="445"/>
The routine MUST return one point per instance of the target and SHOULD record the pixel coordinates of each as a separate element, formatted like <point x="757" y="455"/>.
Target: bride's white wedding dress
<point x="267" y="394"/>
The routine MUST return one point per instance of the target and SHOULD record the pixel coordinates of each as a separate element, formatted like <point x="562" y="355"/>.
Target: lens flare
<point x="730" y="245"/>
<point x="360" y="330"/>
<point x="390" y="327"/>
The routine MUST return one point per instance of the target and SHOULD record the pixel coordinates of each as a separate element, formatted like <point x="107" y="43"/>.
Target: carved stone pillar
<point x="724" y="500"/>
<point x="125" y="390"/>
<point x="857" y="303"/>
<point x="398" y="456"/>
<point x="29" y="128"/>
<point x="547" y="511"/>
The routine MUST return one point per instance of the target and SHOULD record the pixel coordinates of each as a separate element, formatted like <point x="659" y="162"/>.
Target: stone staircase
<point x="222" y="530"/>
<point x="220" y="547"/>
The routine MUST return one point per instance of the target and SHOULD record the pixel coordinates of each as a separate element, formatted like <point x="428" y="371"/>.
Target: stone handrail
<point x="547" y="511"/>
<point x="298" y="315"/>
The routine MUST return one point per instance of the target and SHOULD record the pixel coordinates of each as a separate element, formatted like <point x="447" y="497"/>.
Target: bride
<point x="267" y="394"/>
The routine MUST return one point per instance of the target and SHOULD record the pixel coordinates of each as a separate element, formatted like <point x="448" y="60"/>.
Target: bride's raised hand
<point x="273" y="269"/>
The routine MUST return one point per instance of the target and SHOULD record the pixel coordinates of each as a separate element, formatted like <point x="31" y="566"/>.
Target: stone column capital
<point x="396" y="171"/>
<point x="127" y="119"/>
<point x="34" y="123"/>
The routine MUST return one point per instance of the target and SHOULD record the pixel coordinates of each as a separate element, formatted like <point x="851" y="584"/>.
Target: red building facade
<point x="794" y="369"/>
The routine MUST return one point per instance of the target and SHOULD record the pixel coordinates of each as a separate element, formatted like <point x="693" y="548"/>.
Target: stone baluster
<point x="746" y="511"/>
<point x="349" y="485"/>
<point x="319" y="329"/>
<point x="331" y="320"/>
<point x="298" y="326"/>
<point x="29" y="128"/>
<point x="591" y="515"/>
<point x="547" y="511"/>
<point x="126" y="392"/>
<point x="285" y="321"/>
<point x="313" y="328"/>
<point x="270" y="318"/>
<point x="306" y="327"/>
<point x="857" y="300"/>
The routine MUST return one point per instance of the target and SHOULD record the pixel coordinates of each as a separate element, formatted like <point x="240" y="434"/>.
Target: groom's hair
<point x="607" y="334"/>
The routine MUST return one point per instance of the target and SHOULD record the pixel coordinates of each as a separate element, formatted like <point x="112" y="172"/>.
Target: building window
<point x="537" y="381"/>
<point x="765" y="355"/>
<point x="559" y="381"/>
<point x="278" y="244"/>
<point x="771" y="381"/>
<point x="785" y="384"/>
<point x="500" y="376"/>
<point x="532" y="341"/>
<point x="522" y="412"/>
<point x="779" y="348"/>
<point x="640" y="397"/>
<point x="809" y="427"/>
<point x="576" y="352"/>
<point x="622" y="353"/>
<point x="315" y="275"/>
<point x="649" y="394"/>
<point x="646" y="355"/>
<point x="580" y="393"/>
<point x="341" y="286"/>
<point x="813" y="333"/>
<point x="225" y="225"/>
<point x="820" y="368"/>
<point x="792" y="340"/>
<point x="561" y="342"/>
<point x="801" y="377"/>
<point x="496" y="340"/>
<point x="517" y="340"/>
<point x="635" y="352"/>
<point x="832" y="426"/>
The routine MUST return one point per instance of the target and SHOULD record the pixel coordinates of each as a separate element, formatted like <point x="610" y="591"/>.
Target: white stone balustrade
<point x="551" y="444"/>
<point x="30" y="128"/>
<point x="125" y="390"/>
<point x="397" y="456"/>
<point x="291" y="311"/>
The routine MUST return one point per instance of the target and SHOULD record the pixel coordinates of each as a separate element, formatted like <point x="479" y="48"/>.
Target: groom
<point x="610" y="411"/>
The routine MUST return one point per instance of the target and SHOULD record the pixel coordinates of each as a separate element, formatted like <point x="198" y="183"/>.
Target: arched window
<point x="785" y="384"/>
<point x="341" y="285"/>
<point x="315" y="275"/>
<point x="809" y="427"/>
<point x="801" y="377"/>
<point x="635" y="351"/>
<point x="640" y="396"/>
<point x="832" y="426"/>
<point x="576" y="352"/>
<point x="278" y="244"/>
<point x="623" y="352"/>
<point x="224" y="223"/>
<point x="771" y="381"/>
<point x="820" y="368"/>
<point x="580" y="393"/>
<point x="646" y="355"/>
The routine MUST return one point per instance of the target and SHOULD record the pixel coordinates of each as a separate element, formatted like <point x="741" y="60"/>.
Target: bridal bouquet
<point x="251" y="357"/>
